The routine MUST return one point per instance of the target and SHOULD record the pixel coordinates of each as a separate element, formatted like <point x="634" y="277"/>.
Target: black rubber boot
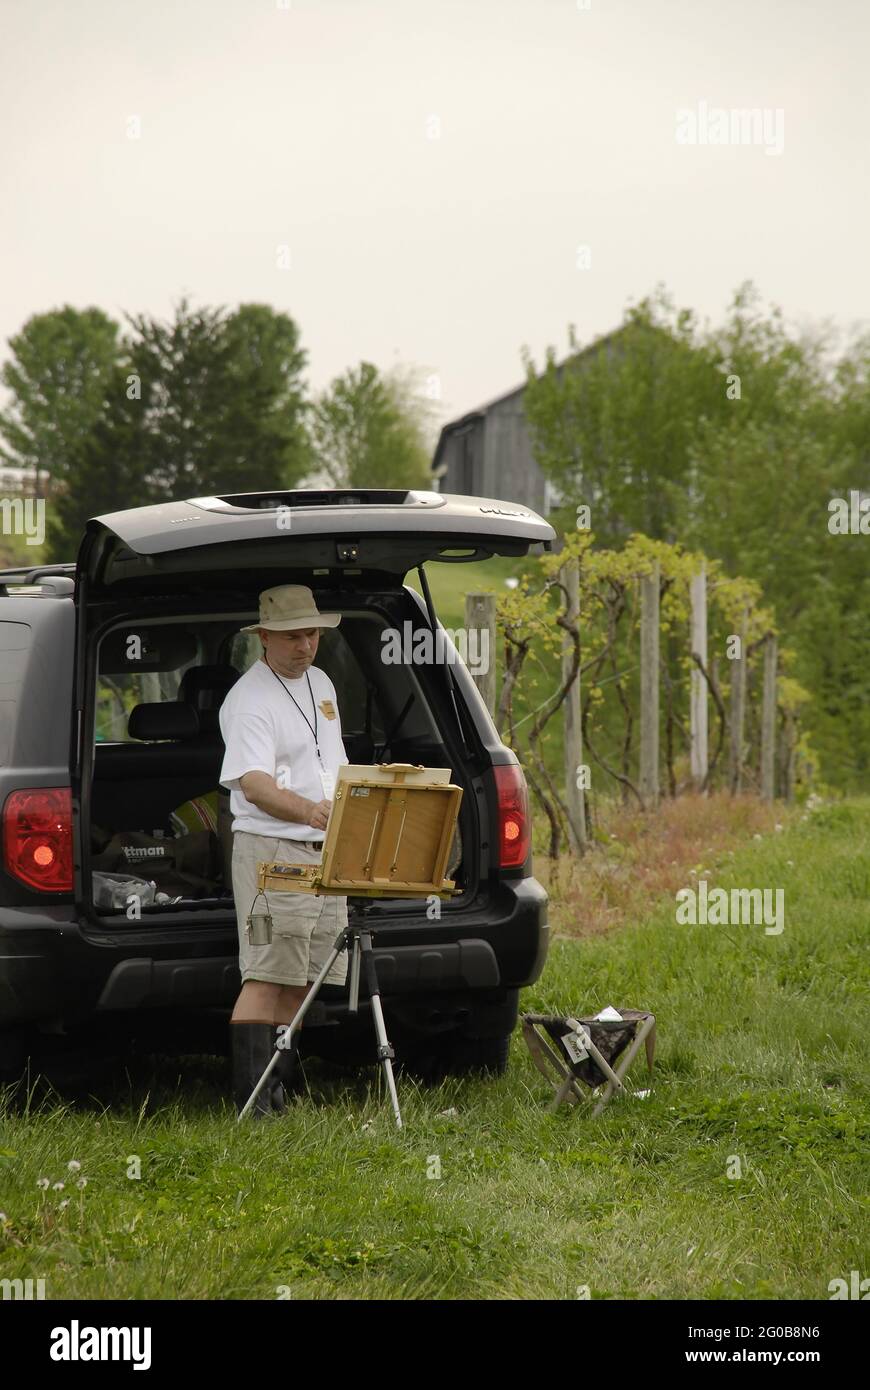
<point x="253" y="1045"/>
<point x="289" y="1067"/>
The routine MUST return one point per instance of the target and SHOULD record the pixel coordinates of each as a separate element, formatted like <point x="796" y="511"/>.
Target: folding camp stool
<point x="588" y="1053"/>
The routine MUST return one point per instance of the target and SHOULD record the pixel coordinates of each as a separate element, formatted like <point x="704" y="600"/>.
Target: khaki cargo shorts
<point x="304" y="926"/>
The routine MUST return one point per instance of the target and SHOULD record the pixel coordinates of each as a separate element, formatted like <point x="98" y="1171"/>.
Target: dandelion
<point x="57" y="1187"/>
<point x="64" y="1203"/>
<point x="44" y="1183"/>
<point x="3" y="1218"/>
<point x="777" y="826"/>
<point x="756" y="836"/>
<point x="82" y="1183"/>
<point x="73" y="1165"/>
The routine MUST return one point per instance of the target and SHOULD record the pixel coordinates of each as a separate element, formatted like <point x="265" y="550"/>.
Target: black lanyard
<point x="312" y="727"/>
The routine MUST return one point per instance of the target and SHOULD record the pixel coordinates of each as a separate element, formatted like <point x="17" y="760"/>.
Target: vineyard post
<point x="575" y="796"/>
<point x="649" y="688"/>
<point x="768" y="720"/>
<point x="480" y="618"/>
<point x="738" y="704"/>
<point x="698" y="725"/>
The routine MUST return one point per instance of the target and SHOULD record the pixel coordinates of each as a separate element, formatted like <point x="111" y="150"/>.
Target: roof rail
<point x="24" y="575"/>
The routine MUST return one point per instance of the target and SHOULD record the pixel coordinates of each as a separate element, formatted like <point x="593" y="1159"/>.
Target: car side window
<point x="139" y="665"/>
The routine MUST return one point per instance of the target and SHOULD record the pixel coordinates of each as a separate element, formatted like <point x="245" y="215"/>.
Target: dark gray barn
<point x="488" y="452"/>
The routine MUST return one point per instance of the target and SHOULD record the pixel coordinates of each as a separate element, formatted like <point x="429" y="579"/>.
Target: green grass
<point x="450" y="583"/>
<point x="762" y="1045"/>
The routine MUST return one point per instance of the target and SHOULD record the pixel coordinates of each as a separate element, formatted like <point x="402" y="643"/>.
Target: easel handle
<point x="400" y="769"/>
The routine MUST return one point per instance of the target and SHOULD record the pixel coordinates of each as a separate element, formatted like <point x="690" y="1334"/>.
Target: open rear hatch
<point x="213" y="539"/>
<point x="177" y="551"/>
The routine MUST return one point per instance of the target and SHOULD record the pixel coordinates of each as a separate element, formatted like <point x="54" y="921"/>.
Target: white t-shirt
<point x="264" y="731"/>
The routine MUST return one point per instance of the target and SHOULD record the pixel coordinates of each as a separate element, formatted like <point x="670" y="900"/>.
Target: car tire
<point x="489" y="1055"/>
<point x="451" y="1055"/>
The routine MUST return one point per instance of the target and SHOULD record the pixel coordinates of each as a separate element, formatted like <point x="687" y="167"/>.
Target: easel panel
<point x="391" y="834"/>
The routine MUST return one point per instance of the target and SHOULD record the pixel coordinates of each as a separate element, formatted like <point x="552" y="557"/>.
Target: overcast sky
<point x="433" y="167"/>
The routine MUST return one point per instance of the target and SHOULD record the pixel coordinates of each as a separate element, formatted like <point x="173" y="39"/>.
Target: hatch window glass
<point x="140" y="664"/>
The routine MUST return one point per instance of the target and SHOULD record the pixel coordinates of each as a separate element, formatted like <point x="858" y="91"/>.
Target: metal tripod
<point x="358" y="935"/>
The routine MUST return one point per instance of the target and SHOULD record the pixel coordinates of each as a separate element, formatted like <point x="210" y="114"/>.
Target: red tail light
<point x="514" y="826"/>
<point x="37" y="838"/>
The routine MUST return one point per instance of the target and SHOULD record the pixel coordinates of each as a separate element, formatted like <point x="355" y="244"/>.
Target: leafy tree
<point x="223" y="402"/>
<point x="111" y="470"/>
<point x="732" y="440"/>
<point x="368" y="430"/>
<point x="58" y="370"/>
<point x="612" y="426"/>
<point x="211" y="402"/>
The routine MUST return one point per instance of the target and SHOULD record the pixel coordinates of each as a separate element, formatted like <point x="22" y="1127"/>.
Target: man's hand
<point x="263" y="792"/>
<point x="320" y="814"/>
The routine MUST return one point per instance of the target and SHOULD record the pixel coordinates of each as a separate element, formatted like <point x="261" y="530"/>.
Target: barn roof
<point x="465" y="422"/>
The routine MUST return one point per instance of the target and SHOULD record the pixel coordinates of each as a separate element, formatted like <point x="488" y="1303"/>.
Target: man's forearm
<point x="277" y="801"/>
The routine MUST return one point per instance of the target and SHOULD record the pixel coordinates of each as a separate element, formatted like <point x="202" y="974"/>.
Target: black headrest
<point x="170" y="719"/>
<point x="206" y="687"/>
<point x="197" y="681"/>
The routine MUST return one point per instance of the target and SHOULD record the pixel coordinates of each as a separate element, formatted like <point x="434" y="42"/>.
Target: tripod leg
<point x="353" y="988"/>
<point x="385" y="1052"/>
<point x="386" y="1055"/>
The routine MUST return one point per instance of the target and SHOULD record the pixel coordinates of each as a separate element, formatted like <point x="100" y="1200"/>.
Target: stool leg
<point x="561" y="1093"/>
<point x="542" y="1053"/>
<point x="615" y="1077"/>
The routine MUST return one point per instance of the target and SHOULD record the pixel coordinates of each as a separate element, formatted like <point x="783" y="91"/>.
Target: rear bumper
<point x="50" y="969"/>
<point x="146" y="983"/>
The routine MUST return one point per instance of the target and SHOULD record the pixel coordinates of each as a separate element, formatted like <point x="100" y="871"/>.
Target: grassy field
<point x="761" y="1059"/>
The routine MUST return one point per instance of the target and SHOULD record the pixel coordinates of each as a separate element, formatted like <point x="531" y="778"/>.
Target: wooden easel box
<point x="389" y="835"/>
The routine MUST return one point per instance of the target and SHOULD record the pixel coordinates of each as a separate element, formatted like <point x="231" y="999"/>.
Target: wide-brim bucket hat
<point x="288" y="607"/>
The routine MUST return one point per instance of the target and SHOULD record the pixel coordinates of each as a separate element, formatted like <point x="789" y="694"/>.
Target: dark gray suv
<point x="112" y="670"/>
